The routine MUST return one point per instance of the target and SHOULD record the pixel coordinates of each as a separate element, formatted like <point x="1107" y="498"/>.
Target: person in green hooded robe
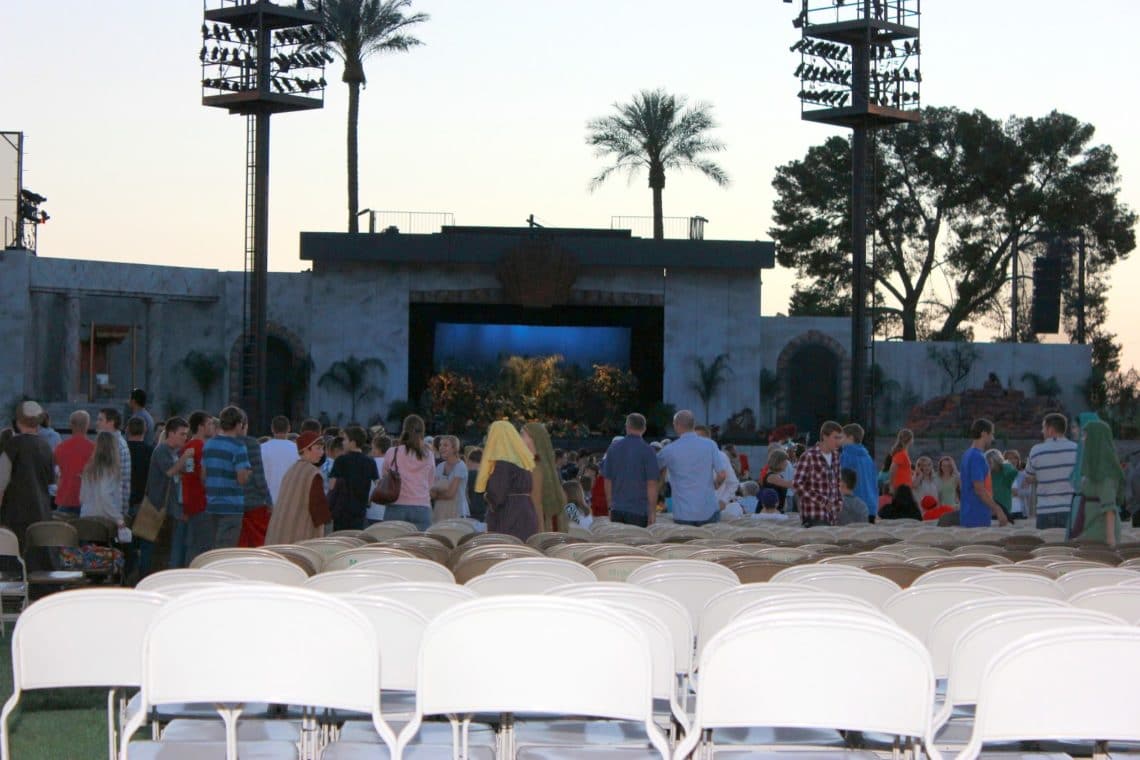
<point x="548" y="483"/>
<point x="1097" y="510"/>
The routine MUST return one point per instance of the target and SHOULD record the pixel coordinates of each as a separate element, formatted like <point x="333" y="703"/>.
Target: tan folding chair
<point x="39" y="539"/>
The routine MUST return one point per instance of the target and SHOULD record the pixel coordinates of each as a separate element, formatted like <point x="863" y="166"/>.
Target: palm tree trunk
<point x="353" y="157"/>
<point x="658" y="216"/>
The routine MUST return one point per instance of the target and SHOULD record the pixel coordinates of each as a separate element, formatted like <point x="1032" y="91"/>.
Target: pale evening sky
<point x="487" y="120"/>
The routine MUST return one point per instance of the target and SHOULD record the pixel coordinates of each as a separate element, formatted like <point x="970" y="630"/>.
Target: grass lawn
<point x="55" y="724"/>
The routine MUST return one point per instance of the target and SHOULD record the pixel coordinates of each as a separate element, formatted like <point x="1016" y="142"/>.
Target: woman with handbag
<point x="412" y="464"/>
<point x="302" y="510"/>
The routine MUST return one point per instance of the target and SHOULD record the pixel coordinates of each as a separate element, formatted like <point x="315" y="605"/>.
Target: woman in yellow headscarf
<point x="505" y="479"/>
<point x="547" y="492"/>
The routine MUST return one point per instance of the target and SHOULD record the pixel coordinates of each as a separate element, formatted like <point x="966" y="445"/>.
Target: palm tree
<point x="351" y="377"/>
<point x="353" y="30"/>
<point x="709" y="379"/>
<point x="205" y="370"/>
<point x="655" y="132"/>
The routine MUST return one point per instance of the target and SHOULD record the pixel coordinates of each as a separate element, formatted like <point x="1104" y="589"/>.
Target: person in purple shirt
<point x="630" y="471"/>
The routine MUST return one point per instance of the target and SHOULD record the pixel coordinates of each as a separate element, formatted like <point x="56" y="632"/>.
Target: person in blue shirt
<point x="695" y="471"/>
<point x="978" y="505"/>
<point x="854" y="456"/>
<point x="226" y="466"/>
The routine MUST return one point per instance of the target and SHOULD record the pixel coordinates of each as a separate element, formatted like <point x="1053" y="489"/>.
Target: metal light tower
<point x="258" y="58"/>
<point x="859" y="68"/>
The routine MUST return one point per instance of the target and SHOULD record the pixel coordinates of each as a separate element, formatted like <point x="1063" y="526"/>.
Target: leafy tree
<point x="655" y="132"/>
<point x="351" y="376"/>
<point x="956" y="361"/>
<point x="205" y="370"/>
<point x="710" y="377"/>
<point x="952" y="193"/>
<point x="354" y="30"/>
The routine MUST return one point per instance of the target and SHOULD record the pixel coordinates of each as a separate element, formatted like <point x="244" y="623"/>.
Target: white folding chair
<point x="892" y="692"/>
<point x="872" y="588"/>
<point x="617" y="568"/>
<point x="453" y="682"/>
<point x="723" y="606"/>
<point x="1019" y="584"/>
<point x="977" y="645"/>
<point x="408" y="568"/>
<point x="693" y="590"/>
<point x="915" y="609"/>
<point x="1121" y="601"/>
<point x="103" y="655"/>
<point x="313" y="649"/>
<point x="503" y="584"/>
<point x="794" y="573"/>
<point x="671" y="567"/>
<point x="391" y="529"/>
<point x="1076" y="581"/>
<point x="429" y="598"/>
<point x="1046" y="686"/>
<point x="207" y="558"/>
<point x="571" y="571"/>
<point x="951" y="575"/>
<point x="948" y="626"/>
<point x="165" y="579"/>
<point x="818" y="602"/>
<point x="273" y="569"/>
<point x="349" y="581"/>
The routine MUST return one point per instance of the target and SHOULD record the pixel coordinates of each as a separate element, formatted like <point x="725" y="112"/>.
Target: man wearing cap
<point x="26" y="471"/>
<point x="301" y="509"/>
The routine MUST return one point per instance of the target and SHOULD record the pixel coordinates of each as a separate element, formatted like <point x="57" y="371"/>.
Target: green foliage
<point x="710" y="377"/>
<point x="655" y="132"/>
<point x="352" y="377"/>
<point x="1041" y="385"/>
<point x="953" y="192"/>
<point x="205" y="370"/>
<point x="956" y="361"/>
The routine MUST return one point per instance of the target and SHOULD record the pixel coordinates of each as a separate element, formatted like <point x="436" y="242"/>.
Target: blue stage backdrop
<point x="471" y="345"/>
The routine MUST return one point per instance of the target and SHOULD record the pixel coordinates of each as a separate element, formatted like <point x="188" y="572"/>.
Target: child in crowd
<point x="769" y="501"/>
<point x="334" y="447"/>
<point x="902" y="506"/>
<point x="854" y="510"/>
<point x="750" y="498"/>
<point x="476" y="503"/>
<point x="576" y="509"/>
<point x="379" y="447"/>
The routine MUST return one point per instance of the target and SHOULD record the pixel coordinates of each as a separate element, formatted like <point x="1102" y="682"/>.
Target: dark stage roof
<point x="487" y="245"/>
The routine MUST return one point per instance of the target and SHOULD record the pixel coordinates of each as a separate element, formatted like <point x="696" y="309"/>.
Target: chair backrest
<point x="350" y="581"/>
<point x="391" y="529"/>
<point x="429" y="598"/>
<point x="1020" y="584"/>
<point x="864" y="585"/>
<point x="273" y="569"/>
<point x="617" y="568"/>
<point x="948" y="626"/>
<point x="915" y="609"/>
<point x="949" y="575"/>
<point x="1076" y="581"/>
<point x="723" y="606"/>
<point x="819" y="602"/>
<point x="104" y="654"/>
<point x="571" y="571"/>
<point x="892" y="692"/>
<point x="408" y="568"/>
<point x="312" y="649"/>
<point x="399" y="629"/>
<point x="51" y="533"/>
<point x="9" y="544"/>
<point x="96" y="530"/>
<point x="794" y="573"/>
<point x="207" y="558"/>
<point x="978" y="644"/>
<point x="164" y="579"/>
<point x="347" y="559"/>
<point x="328" y="547"/>
<point x="525" y="582"/>
<point x="670" y="567"/>
<point x="661" y="654"/>
<point x="1122" y="601"/>
<point x="452" y="681"/>
<point x="1071" y="683"/>
<point x="691" y="590"/>
<point x="312" y="559"/>
<point x="674" y="614"/>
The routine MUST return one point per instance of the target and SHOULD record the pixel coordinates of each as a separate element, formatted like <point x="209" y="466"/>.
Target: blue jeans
<point x="1053" y="520"/>
<point x="629" y="518"/>
<point x="191" y="537"/>
<point x="224" y="530"/>
<point x="714" y="519"/>
<point x="418" y="516"/>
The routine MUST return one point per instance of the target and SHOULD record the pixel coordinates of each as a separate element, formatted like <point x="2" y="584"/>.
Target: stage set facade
<point x="83" y="333"/>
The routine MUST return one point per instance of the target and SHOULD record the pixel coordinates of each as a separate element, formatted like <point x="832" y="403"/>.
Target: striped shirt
<point x="1051" y="462"/>
<point x="223" y="456"/>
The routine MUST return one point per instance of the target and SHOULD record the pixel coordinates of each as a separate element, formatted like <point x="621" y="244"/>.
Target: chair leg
<point x="112" y="732"/>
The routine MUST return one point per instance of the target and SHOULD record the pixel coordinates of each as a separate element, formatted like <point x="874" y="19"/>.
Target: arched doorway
<point x="814" y="373"/>
<point x="287" y="369"/>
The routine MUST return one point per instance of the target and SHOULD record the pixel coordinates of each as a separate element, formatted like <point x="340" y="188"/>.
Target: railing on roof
<point x="675" y="227"/>
<point x="409" y="222"/>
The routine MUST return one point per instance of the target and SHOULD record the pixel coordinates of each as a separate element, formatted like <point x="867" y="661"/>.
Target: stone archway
<point x="815" y="381"/>
<point x="287" y="390"/>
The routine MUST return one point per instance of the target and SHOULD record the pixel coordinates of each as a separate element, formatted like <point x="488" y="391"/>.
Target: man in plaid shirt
<point x="816" y="481"/>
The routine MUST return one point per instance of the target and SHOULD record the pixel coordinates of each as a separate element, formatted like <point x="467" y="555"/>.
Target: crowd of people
<point x="221" y="487"/>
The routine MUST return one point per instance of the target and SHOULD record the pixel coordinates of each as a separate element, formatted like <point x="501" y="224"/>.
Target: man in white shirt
<point x="277" y="455"/>
<point x="1050" y="467"/>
